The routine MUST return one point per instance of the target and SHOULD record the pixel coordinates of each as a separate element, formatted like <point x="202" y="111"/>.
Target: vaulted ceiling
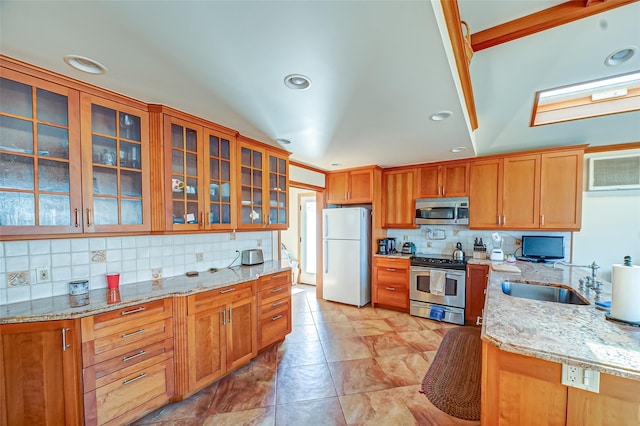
<point x="378" y="70"/>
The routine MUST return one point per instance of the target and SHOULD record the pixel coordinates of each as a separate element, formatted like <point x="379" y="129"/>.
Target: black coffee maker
<point x="382" y="246"/>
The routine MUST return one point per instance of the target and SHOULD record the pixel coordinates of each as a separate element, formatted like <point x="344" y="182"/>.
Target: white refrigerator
<point x="346" y="236"/>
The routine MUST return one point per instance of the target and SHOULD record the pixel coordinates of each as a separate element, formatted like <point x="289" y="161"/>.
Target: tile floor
<point x="339" y="366"/>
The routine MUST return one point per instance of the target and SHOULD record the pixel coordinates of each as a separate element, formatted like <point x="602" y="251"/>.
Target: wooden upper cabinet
<point x="530" y="191"/>
<point x="398" y="199"/>
<point x="521" y="192"/>
<point x="115" y="171"/>
<point x="199" y="168"/>
<point x="443" y="180"/>
<point x="40" y="187"/>
<point x="351" y="186"/>
<point x="561" y="190"/>
<point x="485" y="193"/>
<point x="263" y="185"/>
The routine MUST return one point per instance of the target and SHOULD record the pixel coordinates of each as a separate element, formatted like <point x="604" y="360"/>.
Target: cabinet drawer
<point x="394" y="276"/>
<point x="270" y="295"/>
<point x="274" y="280"/>
<point x="126" y="340"/>
<point x="393" y="295"/>
<point x="115" y="321"/>
<point x="274" y="325"/>
<point x="126" y="398"/>
<point x="204" y="301"/>
<point x="392" y="262"/>
<point x="274" y="305"/>
<point x="112" y="369"/>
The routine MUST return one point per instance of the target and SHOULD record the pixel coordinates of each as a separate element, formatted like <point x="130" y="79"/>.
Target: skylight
<point x="611" y="95"/>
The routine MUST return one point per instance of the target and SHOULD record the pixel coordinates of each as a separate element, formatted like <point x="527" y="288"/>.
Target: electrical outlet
<point x="43" y="274"/>
<point x="405" y="238"/>
<point x="581" y="378"/>
<point x="518" y="242"/>
<point x="259" y="243"/>
<point x="199" y="257"/>
<point x="429" y="244"/>
<point x="232" y="235"/>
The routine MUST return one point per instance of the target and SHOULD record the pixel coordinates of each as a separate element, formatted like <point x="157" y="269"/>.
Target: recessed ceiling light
<point x="297" y="82"/>
<point x="459" y="149"/>
<point x="620" y="56"/>
<point x="442" y="115"/>
<point x="283" y="141"/>
<point x="335" y="164"/>
<point x="87" y="65"/>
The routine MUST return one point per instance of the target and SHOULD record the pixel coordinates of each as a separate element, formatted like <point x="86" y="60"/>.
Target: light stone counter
<point x="563" y="333"/>
<point x="395" y="255"/>
<point x="61" y="307"/>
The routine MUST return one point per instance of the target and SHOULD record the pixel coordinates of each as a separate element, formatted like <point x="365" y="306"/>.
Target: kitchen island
<point x="526" y="342"/>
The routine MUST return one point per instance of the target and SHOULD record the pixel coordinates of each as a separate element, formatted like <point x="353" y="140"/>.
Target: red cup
<point x="113" y="281"/>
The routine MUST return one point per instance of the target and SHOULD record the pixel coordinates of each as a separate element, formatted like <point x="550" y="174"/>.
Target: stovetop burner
<point x="435" y="261"/>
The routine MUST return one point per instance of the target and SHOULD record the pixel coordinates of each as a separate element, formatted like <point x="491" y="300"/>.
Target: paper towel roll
<point x="625" y="293"/>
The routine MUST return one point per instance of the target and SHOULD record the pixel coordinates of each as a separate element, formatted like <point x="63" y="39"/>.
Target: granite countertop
<point x="578" y="335"/>
<point x="66" y="307"/>
<point x="395" y="255"/>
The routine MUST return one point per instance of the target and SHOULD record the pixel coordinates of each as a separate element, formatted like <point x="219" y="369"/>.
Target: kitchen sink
<point x="547" y="293"/>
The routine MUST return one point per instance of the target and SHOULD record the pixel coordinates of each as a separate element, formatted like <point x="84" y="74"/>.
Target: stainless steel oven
<point x="448" y="306"/>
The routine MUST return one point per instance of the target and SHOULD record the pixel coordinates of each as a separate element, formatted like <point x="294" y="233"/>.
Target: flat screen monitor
<point x="542" y="248"/>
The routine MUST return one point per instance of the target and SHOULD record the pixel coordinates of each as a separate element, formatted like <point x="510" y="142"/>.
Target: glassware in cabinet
<point x="251" y="187"/>
<point x="40" y="190"/>
<point x="220" y="210"/>
<point x="278" y="193"/>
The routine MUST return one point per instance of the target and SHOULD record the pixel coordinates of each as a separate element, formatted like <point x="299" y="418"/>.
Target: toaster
<point x="252" y="257"/>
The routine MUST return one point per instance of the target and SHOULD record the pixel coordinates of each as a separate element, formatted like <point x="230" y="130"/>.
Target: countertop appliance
<point x="458" y="254"/>
<point x="252" y="257"/>
<point x="408" y="248"/>
<point x="346" y="246"/>
<point x="437" y="288"/>
<point x="387" y="246"/>
<point x="442" y="211"/>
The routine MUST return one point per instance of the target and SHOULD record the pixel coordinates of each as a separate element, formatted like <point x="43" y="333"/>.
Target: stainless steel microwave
<point x="442" y="211"/>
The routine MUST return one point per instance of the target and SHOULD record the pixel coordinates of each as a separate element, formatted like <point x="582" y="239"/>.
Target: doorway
<point x="308" y="238"/>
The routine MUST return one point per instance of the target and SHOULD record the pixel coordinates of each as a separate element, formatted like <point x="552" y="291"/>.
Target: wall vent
<point x="614" y="172"/>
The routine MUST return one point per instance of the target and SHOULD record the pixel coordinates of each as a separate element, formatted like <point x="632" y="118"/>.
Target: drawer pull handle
<point x="391" y="269"/>
<point x="126" y="382"/>
<point x="124" y="336"/>
<point x="277" y="317"/>
<point x="277" y="303"/>
<point x="133" y="311"/>
<point x="390" y="288"/>
<point x="275" y="290"/>
<point x="275" y="276"/>
<point x="65" y="346"/>
<point x="129" y="358"/>
<point x="228" y="290"/>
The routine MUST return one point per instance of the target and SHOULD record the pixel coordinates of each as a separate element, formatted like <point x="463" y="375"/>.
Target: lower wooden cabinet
<point x="40" y="373"/>
<point x="127" y="362"/>
<point x="390" y="282"/>
<point x="274" y="308"/>
<point x="522" y="390"/>
<point x="218" y="335"/>
<point x="475" y="292"/>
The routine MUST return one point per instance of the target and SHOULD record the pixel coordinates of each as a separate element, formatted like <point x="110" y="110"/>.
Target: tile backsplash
<point x="136" y="258"/>
<point x="442" y="239"/>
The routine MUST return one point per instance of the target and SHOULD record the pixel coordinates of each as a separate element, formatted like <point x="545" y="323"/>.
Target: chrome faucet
<point x="591" y="282"/>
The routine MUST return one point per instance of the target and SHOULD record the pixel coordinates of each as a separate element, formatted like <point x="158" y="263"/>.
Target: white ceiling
<point x="378" y="70"/>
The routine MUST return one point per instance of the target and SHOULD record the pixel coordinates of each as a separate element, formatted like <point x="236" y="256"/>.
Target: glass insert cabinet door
<point x="220" y="209"/>
<point x="40" y="190"/>
<point x="278" y="190"/>
<point x="184" y="170"/>
<point x="251" y="187"/>
<point x="115" y="169"/>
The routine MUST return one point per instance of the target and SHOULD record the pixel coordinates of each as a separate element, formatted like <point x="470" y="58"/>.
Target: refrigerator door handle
<point x="326" y="225"/>
<point x="326" y="257"/>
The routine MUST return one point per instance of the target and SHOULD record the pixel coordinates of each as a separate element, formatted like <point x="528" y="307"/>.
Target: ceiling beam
<point x="543" y="20"/>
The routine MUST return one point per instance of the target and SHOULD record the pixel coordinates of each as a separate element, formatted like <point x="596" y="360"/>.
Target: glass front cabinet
<point x="198" y="174"/>
<point x="69" y="163"/>
<point x="263" y="188"/>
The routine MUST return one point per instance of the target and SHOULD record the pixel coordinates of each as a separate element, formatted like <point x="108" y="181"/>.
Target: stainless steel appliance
<point x="437" y="288"/>
<point x="442" y="211"/>
<point x="252" y="257"/>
